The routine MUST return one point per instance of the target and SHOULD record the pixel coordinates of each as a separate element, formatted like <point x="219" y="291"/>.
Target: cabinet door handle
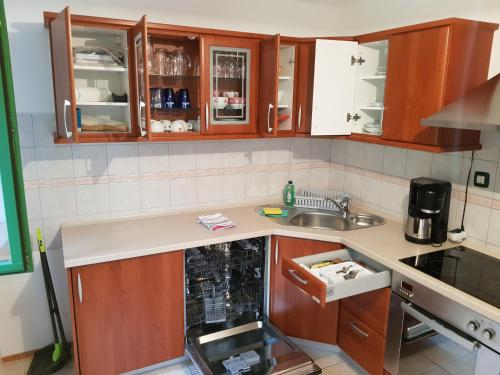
<point x="298" y="278"/>
<point x="269" y="129"/>
<point x="68" y="133"/>
<point x="358" y="330"/>
<point x="206" y="115"/>
<point x="299" y="122"/>
<point x="142" y="130"/>
<point x="80" y="291"/>
<point x="276" y="254"/>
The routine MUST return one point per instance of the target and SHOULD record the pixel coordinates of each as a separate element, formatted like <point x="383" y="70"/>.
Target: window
<point x="15" y="248"/>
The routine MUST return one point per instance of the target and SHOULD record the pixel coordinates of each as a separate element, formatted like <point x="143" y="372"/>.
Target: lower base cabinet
<point x="363" y="329"/>
<point x="127" y="314"/>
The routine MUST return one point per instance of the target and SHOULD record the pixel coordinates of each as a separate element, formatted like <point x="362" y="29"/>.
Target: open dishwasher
<point x="226" y="331"/>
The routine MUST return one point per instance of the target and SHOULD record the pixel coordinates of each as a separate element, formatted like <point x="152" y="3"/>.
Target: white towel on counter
<point x="216" y="221"/>
<point x="92" y="94"/>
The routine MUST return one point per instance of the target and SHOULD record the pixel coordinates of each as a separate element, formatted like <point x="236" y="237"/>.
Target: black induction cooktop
<point x="470" y="271"/>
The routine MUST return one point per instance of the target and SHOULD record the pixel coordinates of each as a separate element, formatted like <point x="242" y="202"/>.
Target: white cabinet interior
<point x="286" y="84"/>
<point x="100" y="63"/>
<point x="349" y="84"/>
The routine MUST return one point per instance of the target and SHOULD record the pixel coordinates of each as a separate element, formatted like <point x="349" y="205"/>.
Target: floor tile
<point x="461" y="366"/>
<point x="175" y="369"/>
<point x="13" y="367"/>
<point x="441" y="350"/>
<point x="344" y="368"/>
<point x="437" y="371"/>
<point x="323" y="358"/>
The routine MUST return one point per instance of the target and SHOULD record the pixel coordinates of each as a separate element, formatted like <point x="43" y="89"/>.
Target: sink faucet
<point x="343" y="206"/>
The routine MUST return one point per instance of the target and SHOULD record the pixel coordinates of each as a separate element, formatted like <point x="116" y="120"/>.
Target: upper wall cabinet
<point x="349" y="83"/>
<point x="229" y="93"/>
<point x="305" y="81"/>
<point x="94" y="94"/>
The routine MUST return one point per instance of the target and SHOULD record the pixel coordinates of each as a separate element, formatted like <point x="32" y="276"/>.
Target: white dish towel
<point x="216" y="221"/>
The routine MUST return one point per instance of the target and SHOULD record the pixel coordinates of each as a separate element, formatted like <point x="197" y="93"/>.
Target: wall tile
<point x="478" y="165"/>
<point x="373" y="157"/>
<point x="92" y="199"/>
<point x="338" y="151"/>
<point x="208" y="155"/>
<point x="58" y="201"/>
<point x="320" y="150"/>
<point x="44" y="127"/>
<point x="155" y="193"/>
<point x="233" y="186"/>
<point x="301" y="150"/>
<point x="496" y="189"/>
<point x="490" y="140"/>
<point x="209" y="189"/>
<point x="153" y="158"/>
<point x="183" y="191"/>
<point x="277" y="182"/>
<point x="257" y="185"/>
<point x="33" y="207"/>
<point x="494" y="228"/>
<point x="28" y="160"/>
<point x="355" y="154"/>
<point x="394" y="161"/>
<point x="25" y="128"/>
<point x="476" y="220"/>
<point x="234" y="154"/>
<point x="319" y="178"/>
<point x="336" y="179"/>
<point x="123" y="159"/>
<point x="371" y="190"/>
<point x="257" y="152"/>
<point x="280" y="151"/>
<point x="445" y="167"/>
<point x="125" y="196"/>
<point x="54" y="162"/>
<point x="182" y="156"/>
<point x="352" y="185"/>
<point x="418" y="164"/>
<point x="90" y="160"/>
<point x="391" y="197"/>
<point x="300" y="178"/>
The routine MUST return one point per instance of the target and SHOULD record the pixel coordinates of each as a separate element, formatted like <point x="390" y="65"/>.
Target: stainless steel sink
<point x="326" y="219"/>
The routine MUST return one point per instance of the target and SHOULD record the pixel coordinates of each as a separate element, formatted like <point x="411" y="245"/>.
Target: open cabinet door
<point x="268" y="85"/>
<point x="63" y="75"/>
<point x="142" y="78"/>
<point x="334" y="82"/>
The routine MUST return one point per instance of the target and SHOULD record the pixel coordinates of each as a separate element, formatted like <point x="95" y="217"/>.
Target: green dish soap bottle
<point x="289" y="194"/>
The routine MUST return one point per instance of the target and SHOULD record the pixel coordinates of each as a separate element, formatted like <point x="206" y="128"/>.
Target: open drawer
<point x="324" y="290"/>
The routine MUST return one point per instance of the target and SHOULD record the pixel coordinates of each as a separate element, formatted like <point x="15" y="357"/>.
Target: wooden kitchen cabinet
<point x="127" y="314"/>
<point x="305" y="80"/>
<point x="86" y="93"/>
<point x="428" y="69"/>
<point x="363" y="323"/>
<point x="230" y="69"/>
<point x="295" y="313"/>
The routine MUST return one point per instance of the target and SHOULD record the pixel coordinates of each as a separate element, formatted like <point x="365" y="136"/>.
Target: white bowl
<point x="237" y="106"/>
<point x="220" y="105"/>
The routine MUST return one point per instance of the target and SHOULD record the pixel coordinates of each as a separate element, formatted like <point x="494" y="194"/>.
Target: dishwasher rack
<point x="224" y="282"/>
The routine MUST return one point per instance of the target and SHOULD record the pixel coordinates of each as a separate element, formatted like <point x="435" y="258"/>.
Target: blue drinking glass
<point x="168" y="98"/>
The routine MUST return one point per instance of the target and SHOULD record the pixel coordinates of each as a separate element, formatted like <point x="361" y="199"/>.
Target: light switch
<point x="481" y="179"/>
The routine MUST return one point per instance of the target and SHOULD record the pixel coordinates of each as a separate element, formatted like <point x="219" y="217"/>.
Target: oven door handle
<point x="469" y="345"/>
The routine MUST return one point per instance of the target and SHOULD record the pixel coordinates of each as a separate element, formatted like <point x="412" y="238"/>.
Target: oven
<point x="431" y="334"/>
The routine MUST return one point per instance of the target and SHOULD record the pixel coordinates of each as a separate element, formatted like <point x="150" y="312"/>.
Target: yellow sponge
<point x="272" y="211"/>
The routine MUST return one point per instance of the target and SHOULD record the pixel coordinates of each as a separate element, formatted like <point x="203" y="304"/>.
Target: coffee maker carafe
<point x="428" y="209"/>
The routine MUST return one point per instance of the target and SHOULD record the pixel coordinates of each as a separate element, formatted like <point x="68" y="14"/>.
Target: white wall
<point x="364" y="16"/>
<point x="29" y="43"/>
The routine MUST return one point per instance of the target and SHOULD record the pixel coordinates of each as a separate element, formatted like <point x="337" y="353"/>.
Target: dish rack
<point x="319" y="199"/>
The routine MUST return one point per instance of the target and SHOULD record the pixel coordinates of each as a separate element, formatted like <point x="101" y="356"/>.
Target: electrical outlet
<point x="481" y="179"/>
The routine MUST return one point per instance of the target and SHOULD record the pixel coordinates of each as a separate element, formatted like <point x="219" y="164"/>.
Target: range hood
<point x="479" y="109"/>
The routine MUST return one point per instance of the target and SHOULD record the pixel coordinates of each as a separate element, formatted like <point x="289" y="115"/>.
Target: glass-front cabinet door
<point x="229" y="85"/>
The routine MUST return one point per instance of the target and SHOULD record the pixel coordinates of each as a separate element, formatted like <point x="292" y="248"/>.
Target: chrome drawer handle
<point x="358" y="330"/>
<point x="67" y="103"/>
<point x="298" y="278"/>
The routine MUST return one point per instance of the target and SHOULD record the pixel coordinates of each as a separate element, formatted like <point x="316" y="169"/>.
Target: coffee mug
<point x="157" y="127"/>
<point x="178" y="126"/>
<point x="166" y="125"/>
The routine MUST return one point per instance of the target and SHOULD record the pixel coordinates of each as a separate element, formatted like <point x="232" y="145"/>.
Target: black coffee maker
<point x="428" y="209"/>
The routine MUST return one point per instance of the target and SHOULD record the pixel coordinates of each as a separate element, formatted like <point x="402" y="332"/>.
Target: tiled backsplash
<point x="66" y="182"/>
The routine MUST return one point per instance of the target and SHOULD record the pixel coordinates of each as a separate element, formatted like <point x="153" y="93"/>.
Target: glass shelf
<point x="158" y="76"/>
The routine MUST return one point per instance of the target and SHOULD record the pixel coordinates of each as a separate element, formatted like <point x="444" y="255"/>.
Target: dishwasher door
<point x="276" y="353"/>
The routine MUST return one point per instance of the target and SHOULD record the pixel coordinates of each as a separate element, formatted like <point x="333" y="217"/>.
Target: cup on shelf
<point x="166" y="125"/>
<point x="156" y="98"/>
<point x="231" y="94"/>
<point x="220" y="102"/>
<point x="168" y="98"/>
<point x="157" y="126"/>
<point x="179" y="126"/>
<point x="183" y="99"/>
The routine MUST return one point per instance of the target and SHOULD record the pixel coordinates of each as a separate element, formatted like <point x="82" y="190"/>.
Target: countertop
<point x="114" y="239"/>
